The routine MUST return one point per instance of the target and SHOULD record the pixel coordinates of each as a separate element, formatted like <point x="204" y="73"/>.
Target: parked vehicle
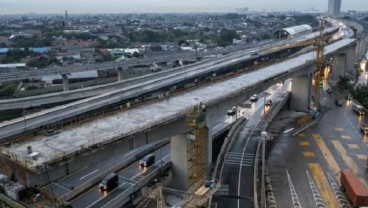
<point x="147" y="161"/>
<point x="254" y="98"/>
<point x="358" y="109"/>
<point x="355" y="190"/>
<point x="109" y="181"/>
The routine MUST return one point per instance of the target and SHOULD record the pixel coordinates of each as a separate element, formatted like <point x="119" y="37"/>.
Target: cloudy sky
<point x="130" y="6"/>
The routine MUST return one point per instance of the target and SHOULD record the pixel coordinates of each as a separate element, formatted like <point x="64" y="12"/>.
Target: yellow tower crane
<point x="318" y="73"/>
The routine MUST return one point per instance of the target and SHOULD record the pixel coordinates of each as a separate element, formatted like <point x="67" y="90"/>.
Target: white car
<point x="232" y="111"/>
<point x="254" y="98"/>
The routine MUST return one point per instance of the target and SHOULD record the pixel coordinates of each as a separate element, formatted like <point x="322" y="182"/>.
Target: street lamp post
<point x="264" y="138"/>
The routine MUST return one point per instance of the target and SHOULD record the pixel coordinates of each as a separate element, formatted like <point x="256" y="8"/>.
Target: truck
<point x="354" y="188"/>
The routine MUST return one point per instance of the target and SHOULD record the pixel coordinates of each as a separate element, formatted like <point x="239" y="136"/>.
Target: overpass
<point x="147" y="123"/>
<point x="133" y="90"/>
<point x="34" y="101"/>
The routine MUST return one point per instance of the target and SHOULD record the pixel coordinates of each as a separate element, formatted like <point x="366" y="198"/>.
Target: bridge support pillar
<point x="351" y="58"/>
<point x="189" y="158"/>
<point x="121" y="73"/>
<point x="338" y="66"/>
<point x="65" y="82"/>
<point x="300" y="92"/>
<point x="179" y="161"/>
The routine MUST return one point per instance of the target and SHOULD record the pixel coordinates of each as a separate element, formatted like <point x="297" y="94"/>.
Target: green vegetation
<point x="7" y="89"/>
<point x="361" y="95"/>
<point x="343" y="83"/>
<point x="22" y="42"/>
<point x="226" y="37"/>
<point x="14" y="56"/>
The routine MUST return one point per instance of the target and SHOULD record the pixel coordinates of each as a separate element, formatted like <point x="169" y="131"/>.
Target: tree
<point x="7" y="89"/>
<point x="226" y="37"/>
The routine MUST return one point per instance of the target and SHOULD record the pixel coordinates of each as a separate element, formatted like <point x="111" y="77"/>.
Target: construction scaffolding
<point x="197" y="145"/>
<point x="320" y="65"/>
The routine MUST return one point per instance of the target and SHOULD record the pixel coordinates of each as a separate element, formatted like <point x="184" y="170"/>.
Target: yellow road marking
<point x="342" y="152"/>
<point x="339" y="129"/>
<point x="323" y="185"/>
<point x="345" y="136"/>
<point x="328" y="156"/>
<point x="353" y="146"/>
<point x="301" y="135"/>
<point x="362" y="157"/>
<point x="308" y="154"/>
<point x="304" y="143"/>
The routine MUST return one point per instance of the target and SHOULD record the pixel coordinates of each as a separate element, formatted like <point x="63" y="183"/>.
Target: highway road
<point x="36" y="120"/>
<point x="94" y="197"/>
<point x="18" y="103"/>
<point x="238" y="168"/>
<point x="309" y="163"/>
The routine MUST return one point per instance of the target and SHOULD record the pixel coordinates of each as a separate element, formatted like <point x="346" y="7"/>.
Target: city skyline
<point x="118" y="6"/>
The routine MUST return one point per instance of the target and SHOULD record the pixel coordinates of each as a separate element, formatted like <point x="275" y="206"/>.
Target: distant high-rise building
<point x="334" y="7"/>
<point x="242" y="10"/>
<point x="66" y="15"/>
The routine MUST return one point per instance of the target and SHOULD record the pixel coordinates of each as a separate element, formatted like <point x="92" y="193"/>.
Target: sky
<point x="133" y="6"/>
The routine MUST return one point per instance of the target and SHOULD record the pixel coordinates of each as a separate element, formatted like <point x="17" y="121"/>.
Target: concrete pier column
<point x="65" y="82"/>
<point x="300" y="92"/>
<point x="121" y="73"/>
<point x="351" y="58"/>
<point x="179" y="161"/>
<point x="209" y="152"/>
<point x="338" y="66"/>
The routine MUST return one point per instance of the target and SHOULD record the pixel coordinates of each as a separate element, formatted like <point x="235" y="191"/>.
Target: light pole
<point x="264" y="137"/>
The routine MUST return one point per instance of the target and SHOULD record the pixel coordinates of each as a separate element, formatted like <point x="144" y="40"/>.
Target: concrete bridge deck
<point x="135" y="120"/>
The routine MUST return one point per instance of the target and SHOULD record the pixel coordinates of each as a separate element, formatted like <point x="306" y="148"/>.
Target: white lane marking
<point x="81" y="178"/>
<point x="287" y="131"/>
<point x="316" y="194"/>
<point x="294" y="195"/>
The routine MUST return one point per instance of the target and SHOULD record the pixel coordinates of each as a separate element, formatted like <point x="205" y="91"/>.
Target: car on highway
<point x="358" y="109"/>
<point x="147" y="161"/>
<point x="231" y="112"/>
<point x="338" y="102"/>
<point x="254" y="98"/>
<point x="254" y="53"/>
<point x="364" y="128"/>
<point x="268" y="102"/>
<point x="349" y="97"/>
<point x="109" y="181"/>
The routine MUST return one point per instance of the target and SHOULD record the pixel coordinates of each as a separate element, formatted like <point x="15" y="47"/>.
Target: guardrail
<point x="267" y="119"/>
<point x="226" y="145"/>
<point x="310" y="124"/>
<point x="10" y="202"/>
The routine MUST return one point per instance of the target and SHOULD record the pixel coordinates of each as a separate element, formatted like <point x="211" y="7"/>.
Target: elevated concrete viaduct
<point x="69" y="150"/>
